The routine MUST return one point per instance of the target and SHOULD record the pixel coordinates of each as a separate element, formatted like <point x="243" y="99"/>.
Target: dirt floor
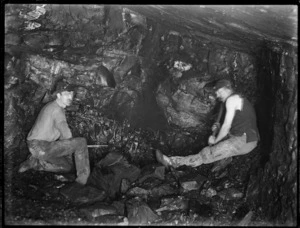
<point x="34" y="198"/>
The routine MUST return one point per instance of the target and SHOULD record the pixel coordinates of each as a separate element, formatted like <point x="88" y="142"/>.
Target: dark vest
<point x="244" y="121"/>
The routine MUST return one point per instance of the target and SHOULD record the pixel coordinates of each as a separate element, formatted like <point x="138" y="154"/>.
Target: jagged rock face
<point x="143" y="82"/>
<point x="237" y="27"/>
<point x="275" y="181"/>
<point x="184" y="97"/>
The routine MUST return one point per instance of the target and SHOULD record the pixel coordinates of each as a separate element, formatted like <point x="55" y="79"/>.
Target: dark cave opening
<point x="268" y="70"/>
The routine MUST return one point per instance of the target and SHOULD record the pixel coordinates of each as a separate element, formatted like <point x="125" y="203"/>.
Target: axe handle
<point x="218" y="119"/>
<point x="96" y="146"/>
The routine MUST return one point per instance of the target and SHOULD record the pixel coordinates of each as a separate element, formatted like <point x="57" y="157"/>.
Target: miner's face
<point x="66" y="97"/>
<point x="222" y="94"/>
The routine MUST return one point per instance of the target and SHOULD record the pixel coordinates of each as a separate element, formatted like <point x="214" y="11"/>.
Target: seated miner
<point x="50" y="140"/>
<point x="238" y="134"/>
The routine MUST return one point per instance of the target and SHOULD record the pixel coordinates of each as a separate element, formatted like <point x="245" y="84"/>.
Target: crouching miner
<point x="238" y="134"/>
<point x="50" y="140"/>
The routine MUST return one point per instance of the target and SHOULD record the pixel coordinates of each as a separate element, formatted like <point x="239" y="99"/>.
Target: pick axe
<point x="96" y="146"/>
<point x="218" y="121"/>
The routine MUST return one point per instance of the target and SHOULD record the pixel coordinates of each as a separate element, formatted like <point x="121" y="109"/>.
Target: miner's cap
<point x="222" y="83"/>
<point x="61" y="87"/>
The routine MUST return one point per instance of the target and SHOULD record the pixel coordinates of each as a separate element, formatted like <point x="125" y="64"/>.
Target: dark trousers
<point x="57" y="156"/>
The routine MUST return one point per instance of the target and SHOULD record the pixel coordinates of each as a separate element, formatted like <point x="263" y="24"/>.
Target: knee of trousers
<point x="206" y="154"/>
<point x="81" y="141"/>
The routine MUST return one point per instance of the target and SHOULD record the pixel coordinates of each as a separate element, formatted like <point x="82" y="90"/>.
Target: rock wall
<point x="273" y="187"/>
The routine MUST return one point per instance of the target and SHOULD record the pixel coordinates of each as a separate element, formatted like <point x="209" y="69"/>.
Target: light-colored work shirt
<point x="51" y="124"/>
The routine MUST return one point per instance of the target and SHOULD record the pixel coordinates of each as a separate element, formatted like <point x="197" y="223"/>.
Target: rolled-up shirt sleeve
<point x="61" y="124"/>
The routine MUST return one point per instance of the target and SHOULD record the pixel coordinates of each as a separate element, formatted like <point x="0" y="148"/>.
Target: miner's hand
<point x="215" y="127"/>
<point x="211" y="140"/>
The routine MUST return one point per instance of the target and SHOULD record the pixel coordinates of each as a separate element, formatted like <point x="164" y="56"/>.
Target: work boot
<point x="82" y="176"/>
<point x="81" y="180"/>
<point x="163" y="159"/>
<point x="30" y="163"/>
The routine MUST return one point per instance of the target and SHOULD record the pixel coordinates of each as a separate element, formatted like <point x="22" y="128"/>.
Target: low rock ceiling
<point x="238" y="27"/>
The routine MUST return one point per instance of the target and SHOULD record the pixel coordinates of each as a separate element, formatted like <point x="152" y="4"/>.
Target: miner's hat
<point x="222" y="83"/>
<point x="63" y="86"/>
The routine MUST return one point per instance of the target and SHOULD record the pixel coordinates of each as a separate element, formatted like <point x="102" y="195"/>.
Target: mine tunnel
<point x="143" y="78"/>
